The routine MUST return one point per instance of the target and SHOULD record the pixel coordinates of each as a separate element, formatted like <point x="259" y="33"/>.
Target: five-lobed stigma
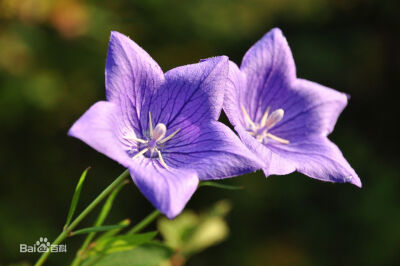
<point x="260" y="130"/>
<point x="151" y="145"/>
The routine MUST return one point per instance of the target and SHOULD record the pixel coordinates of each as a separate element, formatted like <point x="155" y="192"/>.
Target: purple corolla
<point x="163" y="127"/>
<point x="285" y="120"/>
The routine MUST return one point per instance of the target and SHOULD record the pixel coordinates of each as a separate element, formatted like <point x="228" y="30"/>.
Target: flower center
<point x="268" y="121"/>
<point x="151" y="147"/>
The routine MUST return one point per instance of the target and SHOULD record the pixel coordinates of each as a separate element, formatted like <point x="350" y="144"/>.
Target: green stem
<point x="148" y="219"/>
<point x="67" y="230"/>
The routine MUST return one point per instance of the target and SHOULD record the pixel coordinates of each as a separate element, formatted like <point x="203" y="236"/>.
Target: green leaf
<point x="121" y="243"/>
<point x="108" y="204"/>
<point x="219" y="185"/>
<point x="75" y="197"/>
<point x="149" y="254"/>
<point x="191" y="233"/>
<point x="97" y="229"/>
<point x="113" y="232"/>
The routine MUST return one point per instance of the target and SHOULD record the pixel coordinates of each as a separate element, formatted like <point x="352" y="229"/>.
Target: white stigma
<point x="159" y="131"/>
<point x="157" y="135"/>
<point x="268" y="121"/>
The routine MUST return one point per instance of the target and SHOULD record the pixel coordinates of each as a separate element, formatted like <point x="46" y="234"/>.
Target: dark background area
<point x="52" y="58"/>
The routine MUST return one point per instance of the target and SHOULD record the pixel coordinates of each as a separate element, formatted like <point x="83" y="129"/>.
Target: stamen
<point x="135" y="139"/>
<point x="140" y="153"/>
<point x="162" y="162"/>
<point x="169" y="137"/>
<point x="264" y="118"/>
<point x="150" y="126"/>
<point x="157" y="135"/>
<point x="274" y="118"/>
<point x="260" y="130"/>
<point x="283" y="141"/>
<point x="248" y="119"/>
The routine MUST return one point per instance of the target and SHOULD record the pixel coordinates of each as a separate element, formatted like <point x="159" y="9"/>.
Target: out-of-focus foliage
<point x="52" y="57"/>
<point x="184" y="236"/>
<point x="149" y="254"/>
<point x="190" y="233"/>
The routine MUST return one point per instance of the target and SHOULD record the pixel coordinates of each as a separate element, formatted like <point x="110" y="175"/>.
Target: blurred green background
<point x="52" y="57"/>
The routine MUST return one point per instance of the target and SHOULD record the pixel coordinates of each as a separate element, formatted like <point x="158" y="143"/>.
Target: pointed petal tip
<point x="73" y="131"/>
<point x="70" y="132"/>
<point x="275" y="33"/>
<point x="216" y="59"/>
<point x="171" y="215"/>
<point x="119" y="37"/>
<point x="222" y="58"/>
<point x="115" y="34"/>
<point x="169" y="191"/>
<point x="356" y="181"/>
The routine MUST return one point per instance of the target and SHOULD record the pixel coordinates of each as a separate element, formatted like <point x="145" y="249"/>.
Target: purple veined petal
<point x="319" y="158"/>
<point x="168" y="190"/>
<point x="97" y="128"/>
<point x="274" y="163"/>
<point x="235" y="88"/>
<point x="267" y="81"/>
<point x="191" y="94"/>
<point x="132" y="77"/>
<point x="269" y="68"/>
<point x="310" y="109"/>
<point x="212" y="150"/>
<point x="232" y="106"/>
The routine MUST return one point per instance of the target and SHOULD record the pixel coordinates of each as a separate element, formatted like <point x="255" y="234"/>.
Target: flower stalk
<point x="68" y="229"/>
<point x="148" y="219"/>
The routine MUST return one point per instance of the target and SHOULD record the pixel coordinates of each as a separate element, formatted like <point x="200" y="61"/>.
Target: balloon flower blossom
<point x="282" y="119"/>
<point x="163" y="127"/>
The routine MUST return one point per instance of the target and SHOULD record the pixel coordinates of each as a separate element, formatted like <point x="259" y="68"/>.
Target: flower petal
<point x="132" y="77"/>
<point x="97" y="128"/>
<point x="269" y="68"/>
<point x="310" y="108"/>
<point x="235" y="87"/>
<point x="311" y="111"/>
<point x="212" y="150"/>
<point x="318" y="158"/>
<point x="167" y="189"/>
<point x="191" y="94"/>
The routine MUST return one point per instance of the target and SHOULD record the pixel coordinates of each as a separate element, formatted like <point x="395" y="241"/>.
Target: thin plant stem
<point x="100" y="219"/>
<point x="148" y="219"/>
<point x="68" y="229"/>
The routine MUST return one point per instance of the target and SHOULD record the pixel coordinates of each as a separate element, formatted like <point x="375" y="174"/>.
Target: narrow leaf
<point x="102" y="216"/>
<point x="218" y="185"/>
<point x="75" y="197"/>
<point x="108" y="204"/>
<point x="98" y="229"/>
<point x="121" y="242"/>
<point x="147" y="254"/>
<point x="113" y="232"/>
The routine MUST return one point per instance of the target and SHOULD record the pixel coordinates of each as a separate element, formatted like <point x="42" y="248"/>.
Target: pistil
<point x="156" y="137"/>
<point x="268" y="121"/>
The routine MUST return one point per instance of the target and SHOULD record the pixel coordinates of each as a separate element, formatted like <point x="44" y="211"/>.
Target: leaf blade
<point x="151" y="253"/>
<point x="101" y="228"/>
<point x="218" y="185"/>
<point x="75" y="197"/>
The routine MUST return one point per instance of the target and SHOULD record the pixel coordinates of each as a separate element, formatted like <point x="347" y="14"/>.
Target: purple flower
<point x="285" y="120"/>
<point x="164" y="128"/>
